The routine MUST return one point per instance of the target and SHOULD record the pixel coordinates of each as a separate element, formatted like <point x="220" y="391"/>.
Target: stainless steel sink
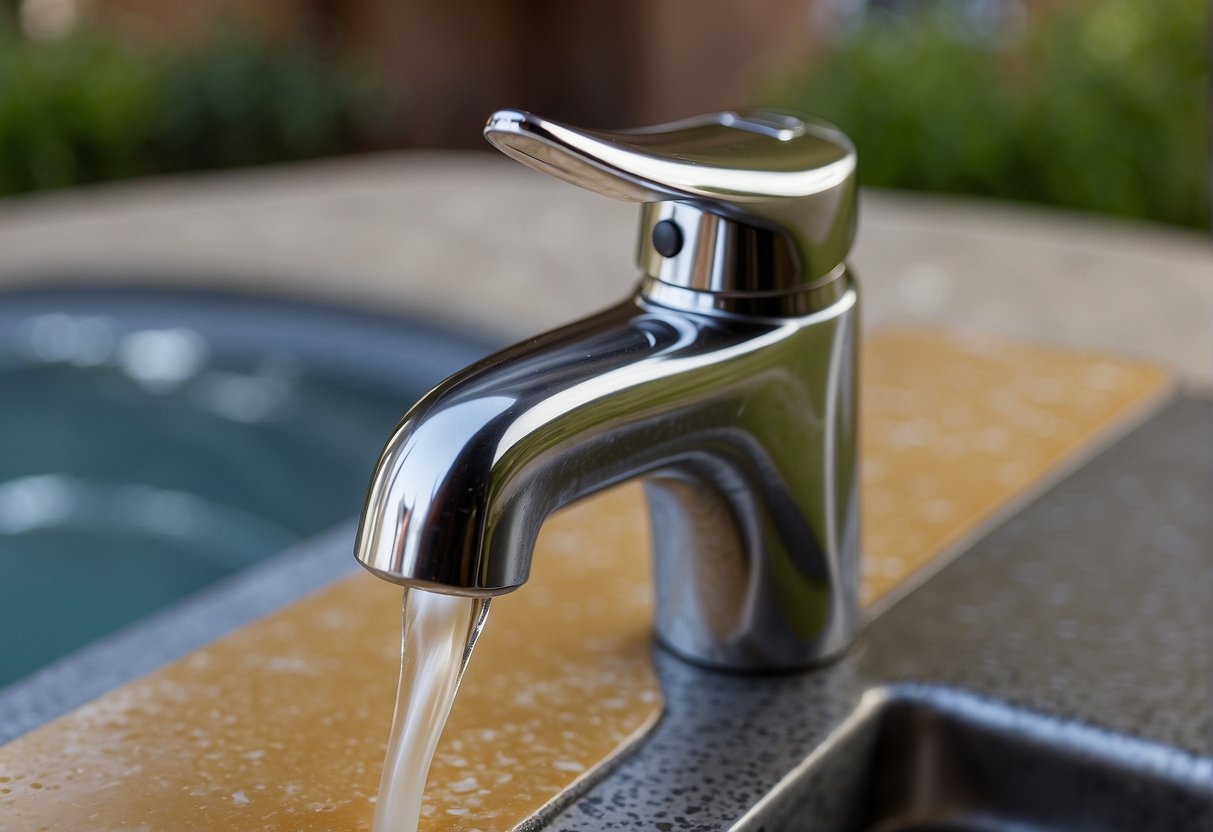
<point x="923" y="758"/>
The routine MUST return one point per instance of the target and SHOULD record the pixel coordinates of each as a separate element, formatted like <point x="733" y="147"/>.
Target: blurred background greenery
<point x="95" y="104"/>
<point x="1101" y="105"/>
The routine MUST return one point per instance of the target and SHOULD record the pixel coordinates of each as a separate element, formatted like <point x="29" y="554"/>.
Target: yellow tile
<point x="955" y="429"/>
<point x="282" y="724"/>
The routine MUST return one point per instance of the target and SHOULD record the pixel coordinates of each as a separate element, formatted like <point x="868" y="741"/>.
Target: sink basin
<point x="152" y="443"/>
<point x="936" y="759"/>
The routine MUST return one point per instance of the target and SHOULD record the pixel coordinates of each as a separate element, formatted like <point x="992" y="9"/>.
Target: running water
<point x="439" y="634"/>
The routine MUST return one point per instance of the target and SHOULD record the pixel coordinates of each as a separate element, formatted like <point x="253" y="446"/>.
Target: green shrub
<point x="243" y="101"/>
<point x="75" y="110"/>
<point x="1101" y="106"/>
<point x="93" y="106"/>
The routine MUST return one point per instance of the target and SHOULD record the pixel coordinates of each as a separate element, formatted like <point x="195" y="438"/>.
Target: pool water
<point x="117" y="498"/>
<point x="153" y="444"/>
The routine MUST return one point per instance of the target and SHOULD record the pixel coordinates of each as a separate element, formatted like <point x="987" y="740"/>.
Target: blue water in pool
<point x="136" y="476"/>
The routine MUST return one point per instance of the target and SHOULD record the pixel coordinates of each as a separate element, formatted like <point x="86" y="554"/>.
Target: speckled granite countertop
<point x="1108" y="578"/>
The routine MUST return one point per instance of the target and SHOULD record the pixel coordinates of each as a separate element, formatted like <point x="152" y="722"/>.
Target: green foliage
<point x="94" y="106"/>
<point x="242" y="101"/>
<point x="1100" y="105"/>
<point x="76" y="110"/>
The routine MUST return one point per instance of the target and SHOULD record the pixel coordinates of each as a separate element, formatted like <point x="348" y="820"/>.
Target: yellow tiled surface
<point x="954" y="428"/>
<point x="282" y="724"/>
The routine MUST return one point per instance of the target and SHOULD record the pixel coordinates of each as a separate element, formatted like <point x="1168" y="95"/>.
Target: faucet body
<point x="726" y="382"/>
<point x="743" y="428"/>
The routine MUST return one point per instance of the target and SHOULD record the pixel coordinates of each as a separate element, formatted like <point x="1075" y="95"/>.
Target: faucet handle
<point x="784" y="184"/>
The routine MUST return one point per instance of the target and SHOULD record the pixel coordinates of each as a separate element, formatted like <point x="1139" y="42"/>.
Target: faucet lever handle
<point x="774" y="170"/>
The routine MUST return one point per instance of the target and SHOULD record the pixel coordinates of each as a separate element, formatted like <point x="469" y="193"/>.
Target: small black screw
<point x="667" y="238"/>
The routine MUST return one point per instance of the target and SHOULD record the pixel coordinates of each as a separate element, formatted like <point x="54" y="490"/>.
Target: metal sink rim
<point x="1055" y="736"/>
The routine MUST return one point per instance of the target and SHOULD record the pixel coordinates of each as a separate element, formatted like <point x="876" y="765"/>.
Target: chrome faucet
<point x="727" y="381"/>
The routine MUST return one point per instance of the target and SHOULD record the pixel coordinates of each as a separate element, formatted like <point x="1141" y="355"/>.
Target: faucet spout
<point x="742" y="427"/>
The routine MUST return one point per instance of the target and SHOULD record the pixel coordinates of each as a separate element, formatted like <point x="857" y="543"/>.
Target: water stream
<point x="439" y="632"/>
